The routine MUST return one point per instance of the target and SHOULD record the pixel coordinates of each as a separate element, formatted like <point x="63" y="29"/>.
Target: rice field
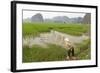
<point x="37" y="28"/>
<point x="54" y="52"/>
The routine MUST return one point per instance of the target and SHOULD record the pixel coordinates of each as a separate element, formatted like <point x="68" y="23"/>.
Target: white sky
<point x="45" y="14"/>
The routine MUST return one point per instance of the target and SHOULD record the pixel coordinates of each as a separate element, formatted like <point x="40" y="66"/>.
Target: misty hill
<point x="77" y="20"/>
<point x="58" y="19"/>
<point x="63" y="19"/>
<point x="37" y="18"/>
<point x="87" y="19"/>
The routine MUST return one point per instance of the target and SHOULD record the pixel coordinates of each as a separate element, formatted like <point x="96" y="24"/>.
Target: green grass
<point x="55" y="52"/>
<point x="35" y="29"/>
<point x="39" y="54"/>
<point x="83" y="50"/>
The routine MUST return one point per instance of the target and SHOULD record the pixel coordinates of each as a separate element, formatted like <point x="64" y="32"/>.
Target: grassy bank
<point x="38" y="54"/>
<point x="83" y="50"/>
<point x="55" y="53"/>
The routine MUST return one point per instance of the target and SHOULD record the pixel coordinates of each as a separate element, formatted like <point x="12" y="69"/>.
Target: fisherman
<point x="70" y="48"/>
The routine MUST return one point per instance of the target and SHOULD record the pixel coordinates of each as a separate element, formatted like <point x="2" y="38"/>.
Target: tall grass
<point x="83" y="50"/>
<point x="55" y="52"/>
<point x="39" y="54"/>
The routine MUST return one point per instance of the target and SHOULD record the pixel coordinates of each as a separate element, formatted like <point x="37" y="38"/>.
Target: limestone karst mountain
<point x="87" y="19"/>
<point x="65" y="19"/>
<point x="37" y="18"/>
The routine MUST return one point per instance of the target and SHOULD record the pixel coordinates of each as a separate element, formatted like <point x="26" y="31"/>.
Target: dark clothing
<point x="71" y="51"/>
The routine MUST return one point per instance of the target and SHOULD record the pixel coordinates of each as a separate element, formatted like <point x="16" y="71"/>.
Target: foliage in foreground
<point x="55" y="53"/>
<point x="38" y="54"/>
<point x="83" y="50"/>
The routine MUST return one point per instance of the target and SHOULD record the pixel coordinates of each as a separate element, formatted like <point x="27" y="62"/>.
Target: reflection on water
<point x="53" y="37"/>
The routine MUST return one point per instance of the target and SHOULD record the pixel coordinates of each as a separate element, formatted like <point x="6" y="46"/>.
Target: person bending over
<point x="70" y="50"/>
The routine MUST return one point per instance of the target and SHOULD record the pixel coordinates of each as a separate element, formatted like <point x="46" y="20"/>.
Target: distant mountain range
<point x="63" y="19"/>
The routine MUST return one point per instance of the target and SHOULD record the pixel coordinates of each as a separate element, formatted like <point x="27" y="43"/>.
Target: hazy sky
<point x="29" y="14"/>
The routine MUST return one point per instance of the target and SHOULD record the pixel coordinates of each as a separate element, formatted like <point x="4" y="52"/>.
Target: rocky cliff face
<point x="37" y="18"/>
<point x="87" y="19"/>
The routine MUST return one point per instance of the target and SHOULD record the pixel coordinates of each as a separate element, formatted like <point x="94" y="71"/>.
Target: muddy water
<point x="53" y="37"/>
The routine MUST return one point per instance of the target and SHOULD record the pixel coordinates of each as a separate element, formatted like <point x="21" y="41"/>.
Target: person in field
<point x="70" y="48"/>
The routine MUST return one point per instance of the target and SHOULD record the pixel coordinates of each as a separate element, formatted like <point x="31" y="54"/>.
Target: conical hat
<point x="66" y="39"/>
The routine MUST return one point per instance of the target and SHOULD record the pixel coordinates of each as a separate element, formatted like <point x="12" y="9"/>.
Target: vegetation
<point x="37" y="28"/>
<point x="38" y="53"/>
<point x="54" y="52"/>
<point x="83" y="50"/>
